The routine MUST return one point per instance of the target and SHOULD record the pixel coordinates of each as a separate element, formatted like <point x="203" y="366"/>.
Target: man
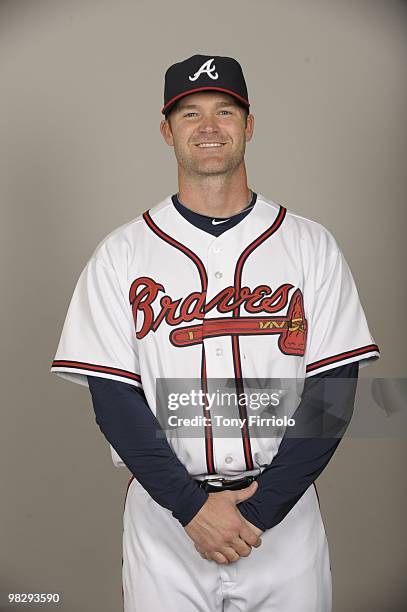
<point x="218" y="283"/>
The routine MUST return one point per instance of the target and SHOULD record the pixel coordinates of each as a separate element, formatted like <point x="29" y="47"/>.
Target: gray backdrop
<point x="81" y="153"/>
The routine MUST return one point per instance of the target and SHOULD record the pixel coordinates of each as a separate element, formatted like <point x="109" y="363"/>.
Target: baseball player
<point x="218" y="284"/>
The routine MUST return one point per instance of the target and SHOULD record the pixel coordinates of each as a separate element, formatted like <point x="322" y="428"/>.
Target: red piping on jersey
<point x="235" y="338"/>
<point x="204" y="287"/>
<point x="178" y="245"/>
<point x="208" y="428"/>
<point x="83" y="365"/>
<point x="341" y="356"/>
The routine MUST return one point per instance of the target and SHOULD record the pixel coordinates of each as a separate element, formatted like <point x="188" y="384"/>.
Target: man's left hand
<point x="255" y="530"/>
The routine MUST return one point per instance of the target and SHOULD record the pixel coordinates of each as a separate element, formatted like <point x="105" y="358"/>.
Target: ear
<point x="249" y="127"/>
<point x="166" y="132"/>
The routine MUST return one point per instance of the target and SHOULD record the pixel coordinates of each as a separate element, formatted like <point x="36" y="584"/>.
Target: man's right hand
<point x="219" y="531"/>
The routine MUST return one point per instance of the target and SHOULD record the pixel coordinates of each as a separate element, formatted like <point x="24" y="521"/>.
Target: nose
<point x="208" y="124"/>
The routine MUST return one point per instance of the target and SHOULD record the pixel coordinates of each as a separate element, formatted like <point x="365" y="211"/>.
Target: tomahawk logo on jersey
<point x="271" y="297"/>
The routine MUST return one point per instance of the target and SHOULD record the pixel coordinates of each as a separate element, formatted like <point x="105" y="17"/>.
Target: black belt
<point x="223" y="484"/>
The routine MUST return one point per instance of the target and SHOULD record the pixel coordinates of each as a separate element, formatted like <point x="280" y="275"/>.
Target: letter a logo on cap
<point x="206" y="67"/>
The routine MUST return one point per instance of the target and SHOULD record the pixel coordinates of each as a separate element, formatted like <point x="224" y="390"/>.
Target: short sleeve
<point x="98" y="335"/>
<point x="338" y="332"/>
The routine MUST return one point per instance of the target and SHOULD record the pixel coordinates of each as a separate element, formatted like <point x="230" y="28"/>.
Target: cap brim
<point x="167" y="107"/>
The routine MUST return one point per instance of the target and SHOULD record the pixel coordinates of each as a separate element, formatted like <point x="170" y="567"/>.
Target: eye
<point x="190" y="113"/>
<point x="226" y="111"/>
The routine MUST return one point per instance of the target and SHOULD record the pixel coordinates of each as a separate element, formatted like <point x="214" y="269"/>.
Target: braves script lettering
<point x="144" y="292"/>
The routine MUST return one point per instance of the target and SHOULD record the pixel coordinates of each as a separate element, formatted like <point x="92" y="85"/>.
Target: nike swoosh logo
<point x="214" y="222"/>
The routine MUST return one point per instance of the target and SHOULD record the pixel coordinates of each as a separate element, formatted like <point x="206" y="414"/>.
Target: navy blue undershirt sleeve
<point x="321" y="419"/>
<point x="125" y="418"/>
<point x="127" y="422"/>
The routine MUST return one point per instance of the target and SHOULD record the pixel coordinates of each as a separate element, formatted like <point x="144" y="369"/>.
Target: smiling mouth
<point x="209" y="145"/>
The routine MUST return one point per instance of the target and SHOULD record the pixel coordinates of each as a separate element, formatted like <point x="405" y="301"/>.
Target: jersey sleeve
<point x="98" y="336"/>
<point x="338" y="332"/>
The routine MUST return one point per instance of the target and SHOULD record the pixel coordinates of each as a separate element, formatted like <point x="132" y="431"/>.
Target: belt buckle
<point x="226" y="481"/>
<point x="208" y="481"/>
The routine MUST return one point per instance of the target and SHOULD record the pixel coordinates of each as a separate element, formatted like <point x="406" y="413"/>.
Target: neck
<point x="215" y="196"/>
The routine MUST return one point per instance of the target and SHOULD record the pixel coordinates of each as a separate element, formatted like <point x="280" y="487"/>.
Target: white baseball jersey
<point x="159" y="298"/>
<point x="271" y="297"/>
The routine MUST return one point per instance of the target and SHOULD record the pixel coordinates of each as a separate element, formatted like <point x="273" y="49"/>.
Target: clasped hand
<point x="220" y="532"/>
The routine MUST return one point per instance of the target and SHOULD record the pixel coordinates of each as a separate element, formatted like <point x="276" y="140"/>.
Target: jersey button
<point x="228" y="459"/>
<point x="218" y="352"/>
<point x="218" y="274"/>
<point x="217" y="250"/>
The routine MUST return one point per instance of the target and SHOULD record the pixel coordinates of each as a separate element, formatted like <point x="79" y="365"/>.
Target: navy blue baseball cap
<point x="202" y="73"/>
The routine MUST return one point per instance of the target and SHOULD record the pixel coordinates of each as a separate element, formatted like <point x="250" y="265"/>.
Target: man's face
<point x="208" y="131"/>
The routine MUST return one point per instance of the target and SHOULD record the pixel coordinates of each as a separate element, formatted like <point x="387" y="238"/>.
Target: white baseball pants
<point x="162" y="571"/>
